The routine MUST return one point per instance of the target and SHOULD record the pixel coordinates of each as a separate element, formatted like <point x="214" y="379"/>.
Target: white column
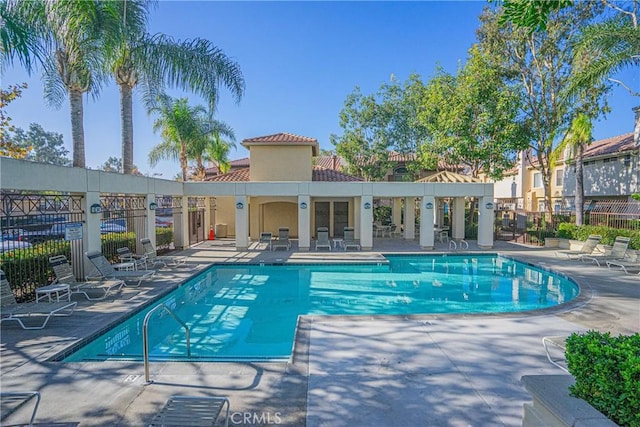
<point x="457" y="222"/>
<point x="427" y="217"/>
<point x="396" y="212"/>
<point x="151" y="224"/>
<point x="208" y="224"/>
<point x="485" y="222"/>
<point x="91" y="232"/>
<point x="242" y="223"/>
<point x="304" y="222"/>
<point x="366" y="222"/>
<point x="181" y="225"/>
<point x="409" y="218"/>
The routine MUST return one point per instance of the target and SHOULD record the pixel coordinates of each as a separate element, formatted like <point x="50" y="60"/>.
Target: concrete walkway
<point x="445" y="370"/>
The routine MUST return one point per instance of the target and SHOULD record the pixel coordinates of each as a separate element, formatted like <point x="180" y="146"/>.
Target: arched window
<point x="399" y="173"/>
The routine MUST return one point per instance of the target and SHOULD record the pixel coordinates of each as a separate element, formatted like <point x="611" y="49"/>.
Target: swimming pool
<point x="250" y="312"/>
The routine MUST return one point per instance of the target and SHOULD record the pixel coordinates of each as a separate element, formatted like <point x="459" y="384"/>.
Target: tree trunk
<point x="77" y="128"/>
<point x="126" y="117"/>
<point x="183" y="161"/>
<point x="579" y="197"/>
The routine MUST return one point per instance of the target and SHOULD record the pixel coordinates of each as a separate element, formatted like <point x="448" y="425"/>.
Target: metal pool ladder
<point x="145" y="336"/>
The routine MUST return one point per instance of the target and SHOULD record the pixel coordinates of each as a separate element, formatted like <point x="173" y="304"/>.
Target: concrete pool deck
<point x="441" y="370"/>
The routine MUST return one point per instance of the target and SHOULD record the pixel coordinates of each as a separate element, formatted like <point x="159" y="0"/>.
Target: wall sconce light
<point x="153" y="206"/>
<point x="303" y="205"/>
<point x="239" y="205"/>
<point x="367" y="205"/>
<point x="429" y="205"/>
<point x="95" y="208"/>
<point x="489" y="205"/>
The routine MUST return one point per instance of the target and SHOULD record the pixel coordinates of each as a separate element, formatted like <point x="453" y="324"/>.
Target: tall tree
<point x="539" y="64"/>
<point x="364" y="143"/>
<point x="576" y="140"/>
<point x="43" y="146"/>
<point x="20" y="37"/>
<point x="7" y="147"/>
<point x="158" y="61"/>
<point x="179" y="126"/>
<point x="217" y="152"/>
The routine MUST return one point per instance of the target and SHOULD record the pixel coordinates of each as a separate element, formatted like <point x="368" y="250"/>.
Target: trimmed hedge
<point x="572" y="231"/>
<point x="607" y="373"/>
<point x="164" y="237"/>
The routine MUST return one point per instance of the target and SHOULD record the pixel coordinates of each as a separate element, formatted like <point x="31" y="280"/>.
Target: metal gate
<point x="197" y="227"/>
<point x="33" y="228"/>
<point x="124" y="223"/>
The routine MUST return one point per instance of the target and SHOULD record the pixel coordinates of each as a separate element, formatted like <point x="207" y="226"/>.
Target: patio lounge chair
<point x="323" y="238"/>
<point x="349" y="240"/>
<point x="266" y="237"/>
<point x="153" y="258"/>
<point x="587" y="248"/>
<point x="104" y="270"/>
<point x="139" y="261"/>
<point x="283" y="239"/>
<point x="192" y="411"/>
<point x="64" y="274"/>
<point x="556" y="357"/>
<point x="628" y="267"/>
<point x="618" y="252"/>
<point x="10" y="309"/>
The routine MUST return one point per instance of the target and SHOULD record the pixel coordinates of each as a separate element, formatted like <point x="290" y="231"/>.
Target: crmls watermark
<point x="255" y="418"/>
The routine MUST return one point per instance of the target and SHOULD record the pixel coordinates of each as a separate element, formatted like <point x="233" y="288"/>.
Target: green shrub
<point x="164" y="237"/>
<point x="607" y="373"/>
<point x="571" y="231"/>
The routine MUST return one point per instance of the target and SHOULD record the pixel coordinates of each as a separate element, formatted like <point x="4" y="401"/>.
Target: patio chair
<point x="192" y="411"/>
<point x="587" y="248"/>
<point x="139" y="261"/>
<point x="283" y="239"/>
<point x="323" y="238"/>
<point x="557" y="356"/>
<point x="266" y="237"/>
<point x="166" y="260"/>
<point x="104" y="270"/>
<point x="349" y="240"/>
<point x="64" y="274"/>
<point x="618" y="252"/>
<point x="10" y="309"/>
<point x="627" y="266"/>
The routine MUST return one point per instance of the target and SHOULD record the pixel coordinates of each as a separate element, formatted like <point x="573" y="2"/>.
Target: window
<point x="537" y="180"/>
<point x="607" y="160"/>
<point x="399" y="173"/>
<point x="559" y="177"/>
<point x="627" y="160"/>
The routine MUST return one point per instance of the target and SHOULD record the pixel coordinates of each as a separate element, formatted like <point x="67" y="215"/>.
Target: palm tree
<point x="218" y="152"/>
<point x="210" y="146"/>
<point x="159" y="60"/>
<point x="20" y="37"/>
<point x="180" y="128"/>
<point x="578" y="137"/>
<point x="606" y="48"/>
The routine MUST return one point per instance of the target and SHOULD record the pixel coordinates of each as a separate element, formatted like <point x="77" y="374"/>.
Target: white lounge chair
<point x="104" y="270"/>
<point x="323" y="238"/>
<point x="283" y="239"/>
<point x="64" y="274"/>
<point x="125" y="255"/>
<point x="349" y="240"/>
<point x="166" y="260"/>
<point x="587" y="248"/>
<point x="192" y="411"/>
<point x="266" y="237"/>
<point x="628" y="267"/>
<point x="618" y="252"/>
<point x="14" y="399"/>
<point x="11" y="310"/>
<point x="556" y="356"/>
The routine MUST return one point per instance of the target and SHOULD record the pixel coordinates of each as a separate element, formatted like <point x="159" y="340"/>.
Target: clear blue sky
<point x="300" y="61"/>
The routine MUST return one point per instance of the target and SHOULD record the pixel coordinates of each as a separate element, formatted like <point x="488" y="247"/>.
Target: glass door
<point x="322" y="212"/>
<point x="340" y="218"/>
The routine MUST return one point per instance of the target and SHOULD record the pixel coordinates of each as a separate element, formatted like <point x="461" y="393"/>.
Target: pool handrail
<point x="145" y="336"/>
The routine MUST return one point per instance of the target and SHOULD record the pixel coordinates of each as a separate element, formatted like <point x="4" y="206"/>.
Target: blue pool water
<point x="250" y="312"/>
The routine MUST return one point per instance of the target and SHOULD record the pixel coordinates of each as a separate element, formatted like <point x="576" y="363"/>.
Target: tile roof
<point x="448" y="177"/>
<point x="319" y="174"/>
<point x="238" y="175"/>
<point x="616" y="144"/>
<point x="330" y="162"/>
<point x="283" y="137"/>
<point x="239" y="163"/>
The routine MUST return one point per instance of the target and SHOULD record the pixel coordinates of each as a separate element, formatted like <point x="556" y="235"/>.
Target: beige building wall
<point x="268" y="214"/>
<point x="226" y="214"/>
<point x="281" y="163"/>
